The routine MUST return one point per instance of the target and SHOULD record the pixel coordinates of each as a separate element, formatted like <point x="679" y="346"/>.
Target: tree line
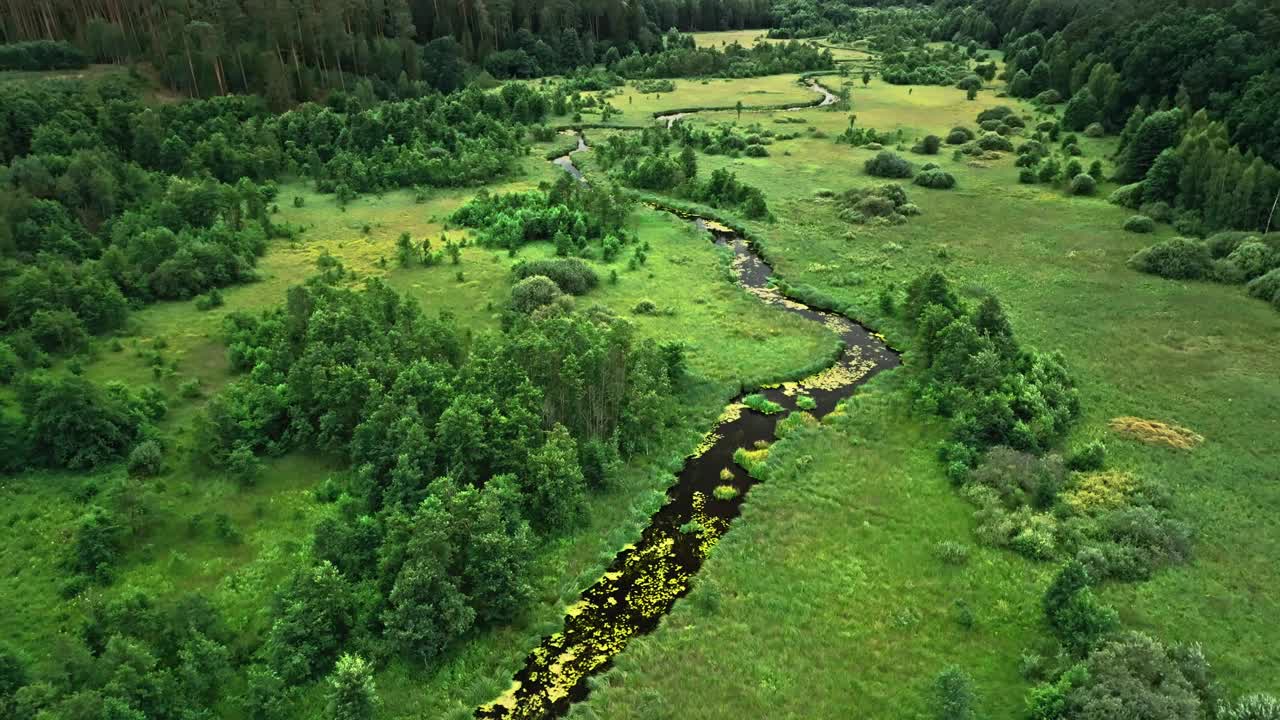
<point x="206" y="48"/>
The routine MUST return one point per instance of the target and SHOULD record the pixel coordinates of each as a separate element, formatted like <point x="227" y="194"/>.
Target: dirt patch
<point x="1154" y="432"/>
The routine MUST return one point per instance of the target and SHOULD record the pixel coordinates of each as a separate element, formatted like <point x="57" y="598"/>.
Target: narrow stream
<point x="645" y="579"/>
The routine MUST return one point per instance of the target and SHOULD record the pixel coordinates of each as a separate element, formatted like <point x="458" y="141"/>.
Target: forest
<point x="709" y="358"/>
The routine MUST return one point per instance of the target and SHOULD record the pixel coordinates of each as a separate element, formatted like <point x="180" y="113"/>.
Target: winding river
<point x="645" y="579"/>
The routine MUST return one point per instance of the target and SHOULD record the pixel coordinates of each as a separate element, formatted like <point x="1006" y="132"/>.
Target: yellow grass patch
<point x="1154" y="432"/>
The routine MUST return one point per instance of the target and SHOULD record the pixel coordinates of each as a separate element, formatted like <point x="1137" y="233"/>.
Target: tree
<point x="352" y="695"/>
<point x="1021" y="85"/>
<point x="1158" y="131"/>
<point x="738" y="106"/>
<point x="688" y="163"/>
<point x="425" y="609"/>
<point x="554" y="488"/>
<point x="927" y="289"/>
<point x="405" y="252"/>
<point x="866" y="78"/>
<point x="315" y="615"/>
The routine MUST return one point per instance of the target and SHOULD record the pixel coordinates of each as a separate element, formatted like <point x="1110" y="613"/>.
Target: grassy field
<point x="638" y="108"/>
<point x="1196" y="354"/>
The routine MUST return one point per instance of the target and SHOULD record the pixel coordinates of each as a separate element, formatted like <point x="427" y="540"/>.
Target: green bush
<point x="532" y="293"/>
<point x="953" y="695"/>
<point x="959" y="136"/>
<point x="1256" y="706"/>
<point x="755" y="151"/>
<point x="889" y="165"/>
<point x="1083" y="184"/>
<point x="645" y="307"/>
<point x="935" y="179"/>
<point x="146" y="459"/>
<point x="995" y="142"/>
<point x="929" y="145"/>
<point x="1140" y="224"/>
<point x="1129" y="196"/>
<point x="1049" y="97"/>
<point x="804" y="402"/>
<point x="1088" y="457"/>
<point x="1027" y="176"/>
<point x="571" y="275"/>
<point x="1224" y="243"/>
<point x="1267" y="287"/>
<point x="1253" y="259"/>
<point x="1177" y="259"/>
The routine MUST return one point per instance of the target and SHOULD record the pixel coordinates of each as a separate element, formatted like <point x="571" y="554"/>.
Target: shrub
<point x="1258" y="706"/>
<point x="1095" y="130"/>
<point x="1076" y="617"/>
<point x="936" y="179"/>
<point x="571" y="275"/>
<point x="999" y="112"/>
<point x="645" y="307"/>
<point x="1049" y="97"/>
<point x="1224" y="243"/>
<point x="929" y="145"/>
<point x="1189" y="224"/>
<point x="889" y="165"/>
<point x="1129" y="196"/>
<point x="952" y="552"/>
<point x="1177" y="259"/>
<point x="1088" y="457"/>
<point x="189" y="389"/>
<point x="1027" y="176"/>
<point x="1019" y="478"/>
<point x="1134" y="676"/>
<point x="532" y="293"/>
<point x="210" y="300"/>
<point x="959" y="136"/>
<point x="725" y="492"/>
<point x="1266" y="287"/>
<point x="994" y="142"/>
<point x="1158" y="211"/>
<point x="755" y="151"/>
<point x="804" y="402"/>
<point x="146" y="459"/>
<point x="1253" y="259"/>
<point x="953" y="696"/>
<point x="1140" y="224"/>
<point x="1083" y="184"/>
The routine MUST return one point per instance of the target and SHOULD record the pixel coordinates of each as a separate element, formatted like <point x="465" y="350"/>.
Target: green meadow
<point x="827" y="595"/>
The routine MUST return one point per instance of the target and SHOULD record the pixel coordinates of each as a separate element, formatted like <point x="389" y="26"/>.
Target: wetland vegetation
<point x="393" y="360"/>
